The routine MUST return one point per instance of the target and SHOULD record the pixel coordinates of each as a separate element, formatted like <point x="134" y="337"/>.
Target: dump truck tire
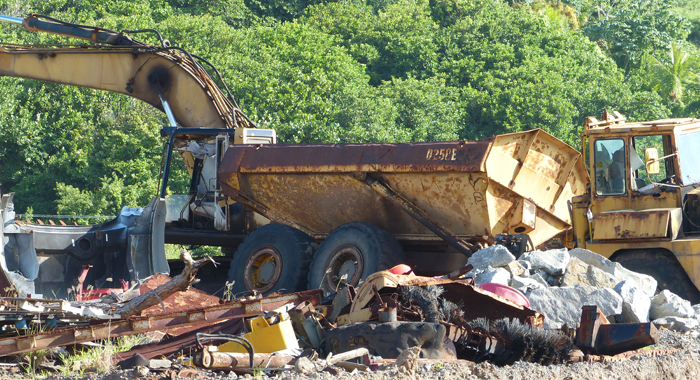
<point x="664" y="267"/>
<point x="275" y="257"/>
<point x="357" y="249"/>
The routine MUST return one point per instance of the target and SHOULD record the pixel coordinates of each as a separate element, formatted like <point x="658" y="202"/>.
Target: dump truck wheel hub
<point x="263" y="269"/>
<point x="346" y="261"/>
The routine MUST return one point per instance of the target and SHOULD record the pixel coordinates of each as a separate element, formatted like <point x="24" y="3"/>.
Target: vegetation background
<point x="347" y="71"/>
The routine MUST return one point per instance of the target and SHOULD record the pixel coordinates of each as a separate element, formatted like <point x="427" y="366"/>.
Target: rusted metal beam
<point x="596" y="335"/>
<point x="228" y="360"/>
<point x="138" y="325"/>
<point x="268" y="212"/>
<point x="419" y="215"/>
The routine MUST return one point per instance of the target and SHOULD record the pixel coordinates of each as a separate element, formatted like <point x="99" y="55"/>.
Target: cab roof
<point x="616" y="123"/>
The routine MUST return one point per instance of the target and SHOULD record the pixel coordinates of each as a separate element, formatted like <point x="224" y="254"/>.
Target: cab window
<point x="610" y="178"/>
<point x="642" y="179"/>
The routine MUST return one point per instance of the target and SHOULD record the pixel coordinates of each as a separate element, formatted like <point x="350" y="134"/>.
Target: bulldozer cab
<point x="644" y="199"/>
<point x="636" y="164"/>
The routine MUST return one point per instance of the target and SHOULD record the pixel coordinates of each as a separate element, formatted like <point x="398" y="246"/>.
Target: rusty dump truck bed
<point x="514" y="183"/>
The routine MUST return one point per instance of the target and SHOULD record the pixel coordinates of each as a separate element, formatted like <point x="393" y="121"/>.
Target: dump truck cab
<point x="643" y="199"/>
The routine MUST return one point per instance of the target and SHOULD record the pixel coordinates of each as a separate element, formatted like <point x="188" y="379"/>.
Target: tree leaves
<point x="337" y="71"/>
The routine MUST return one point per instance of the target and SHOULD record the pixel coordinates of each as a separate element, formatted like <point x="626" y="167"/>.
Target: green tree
<point x="628" y="30"/>
<point x="672" y="75"/>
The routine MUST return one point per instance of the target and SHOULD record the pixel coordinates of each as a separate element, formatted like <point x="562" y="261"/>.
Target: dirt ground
<point x="681" y="362"/>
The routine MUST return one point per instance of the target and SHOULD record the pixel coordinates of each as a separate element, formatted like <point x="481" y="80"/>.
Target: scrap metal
<point x="211" y="359"/>
<point x="459" y="292"/>
<point x="598" y="336"/>
<point x="137" y="325"/>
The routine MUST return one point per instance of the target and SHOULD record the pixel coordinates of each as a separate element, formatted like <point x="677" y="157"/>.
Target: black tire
<point x="275" y="257"/>
<point x="664" y="267"/>
<point x="357" y="249"/>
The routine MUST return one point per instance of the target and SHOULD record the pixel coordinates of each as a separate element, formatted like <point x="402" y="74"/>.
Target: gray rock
<point x="646" y="283"/>
<point x="474" y="273"/>
<point x="525" y="284"/>
<point x="514" y="268"/>
<point x="537" y="277"/>
<point x="553" y="261"/>
<point x="563" y="305"/>
<point x="635" y="304"/>
<point x="495" y="275"/>
<point x="668" y="304"/>
<point x="576" y="273"/>
<point x="408" y="359"/>
<point x="600" y="278"/>
<point x="677" y="323"/>
<point x="582" y="274"/>
<point x="527" y="266"/>
<point x="494" y="256"/>
<point x="159" y="364"/>
<point x="304" y="366"/>
<point x="696" y="308"/>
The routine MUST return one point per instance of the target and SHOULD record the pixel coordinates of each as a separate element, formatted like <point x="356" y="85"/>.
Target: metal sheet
<point x="634" y="224"/>
<point x="477" y="302"/>
<point x="459" y="156"/>
<point x="190" y="299"/>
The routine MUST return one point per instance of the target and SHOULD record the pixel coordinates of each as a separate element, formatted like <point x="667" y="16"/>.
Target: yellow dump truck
<point x="433" y="204"/>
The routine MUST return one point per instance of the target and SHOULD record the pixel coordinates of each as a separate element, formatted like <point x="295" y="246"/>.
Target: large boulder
<point x="582" y="274"/>
<point x="668" y="304"/>
<point x="553" y="261"/>
<point x="677" y="323"/>
<point x="645" y="282"/>
<point x="635" y="304"/>
<point x="696" y="308"/>
<point x="494" y="256"/>
<point x="496" y="275"/>
<point x="548" y="278"/>
<point x="525" y="284"/>
<point x="563" y="305"/>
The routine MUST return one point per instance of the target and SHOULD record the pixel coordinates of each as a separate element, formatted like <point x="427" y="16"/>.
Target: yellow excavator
<point x="203" y="121"/>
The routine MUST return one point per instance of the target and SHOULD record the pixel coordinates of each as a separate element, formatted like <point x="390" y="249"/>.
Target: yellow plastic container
<point x="266" y="339"/>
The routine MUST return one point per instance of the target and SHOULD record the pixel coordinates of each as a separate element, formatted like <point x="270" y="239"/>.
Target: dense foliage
<point x="347" y="71"/>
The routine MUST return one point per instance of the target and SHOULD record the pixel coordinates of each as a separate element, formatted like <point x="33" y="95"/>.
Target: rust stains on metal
<point x="423" y="218"/>
<point x="179" y="301"/>
<point x="636" y="224"/>
<point x="229" y="360"/>
<point x="597" y="336"/>
<point x="350" y="158"/>
<point x="477" y="303"/>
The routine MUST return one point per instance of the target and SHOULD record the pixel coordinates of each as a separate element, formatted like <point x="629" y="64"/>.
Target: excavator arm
<point x="165" y="77"/>
<point x="130" y="247"/>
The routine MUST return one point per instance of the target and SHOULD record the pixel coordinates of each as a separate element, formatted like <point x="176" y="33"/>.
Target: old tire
<point x="664" y="267"/>
<point x="275" y="257"/>
<point x="357" y="249"/>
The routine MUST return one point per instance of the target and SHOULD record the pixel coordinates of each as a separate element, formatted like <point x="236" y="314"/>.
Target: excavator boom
<point x="159" y="76"/>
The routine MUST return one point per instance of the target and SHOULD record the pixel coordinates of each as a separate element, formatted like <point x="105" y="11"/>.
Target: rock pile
<point x="559" y="282"/>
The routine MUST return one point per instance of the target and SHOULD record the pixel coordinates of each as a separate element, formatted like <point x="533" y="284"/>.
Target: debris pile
<point x="393" y="320"/>
<point x="559" y="282"/>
